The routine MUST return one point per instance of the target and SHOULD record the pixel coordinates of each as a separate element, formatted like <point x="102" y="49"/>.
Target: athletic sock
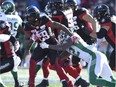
<point x="60" y="71"/>
<point x="37" y="68"/>
<point x="45" y="67"/>
<point x="32" y="72"/>
<point x="15" y="76"/>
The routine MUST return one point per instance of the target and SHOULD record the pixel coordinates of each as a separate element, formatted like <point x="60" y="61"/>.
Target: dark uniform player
<point x="83" y="26"/>
<point x="5" y="50"/>
<point x="82" y="20"/>
<point x="58" y="12"/>
<point x="37" y="28"/>
<point x="8" y="58"/>
<point x="107" y="30"/>
<point x="63" y="14"/>
<point x="55" y="11"/>
<point x="15" y="22"/>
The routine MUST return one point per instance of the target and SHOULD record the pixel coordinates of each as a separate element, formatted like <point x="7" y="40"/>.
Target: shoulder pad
<point x="3" y="16"/>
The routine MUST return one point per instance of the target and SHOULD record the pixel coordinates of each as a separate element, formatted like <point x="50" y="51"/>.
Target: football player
<point x="97" y="61"/>
<point x="107" y="30"/>
<point x="8" y="7"/>
<point x="38" y="29"/>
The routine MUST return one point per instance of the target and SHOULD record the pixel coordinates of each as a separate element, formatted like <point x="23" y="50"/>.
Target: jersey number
<point x="13" y="25"/>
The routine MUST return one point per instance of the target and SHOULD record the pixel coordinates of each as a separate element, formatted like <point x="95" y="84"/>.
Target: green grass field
<point x="53" y="78"/>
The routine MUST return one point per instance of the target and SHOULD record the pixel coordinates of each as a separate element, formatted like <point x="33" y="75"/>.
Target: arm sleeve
<point x="101" y="33"/>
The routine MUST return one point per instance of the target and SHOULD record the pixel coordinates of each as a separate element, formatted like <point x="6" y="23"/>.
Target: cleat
<point x="44" y="83"/>
<point x="64" y="84"/>
<point x="81" y="82"/>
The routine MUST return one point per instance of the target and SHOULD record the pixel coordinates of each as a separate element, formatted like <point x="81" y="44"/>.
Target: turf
<point x="53" y="78"/>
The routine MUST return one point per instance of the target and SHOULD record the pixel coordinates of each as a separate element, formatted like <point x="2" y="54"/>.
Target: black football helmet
<point x="101" y="11"/>
<point x="8" y="7"/>
<point x="32" y="14"/>
<point x="71" y="3"/>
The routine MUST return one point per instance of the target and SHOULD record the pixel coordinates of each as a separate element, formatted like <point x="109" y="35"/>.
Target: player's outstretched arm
<point x="61" y="47"/>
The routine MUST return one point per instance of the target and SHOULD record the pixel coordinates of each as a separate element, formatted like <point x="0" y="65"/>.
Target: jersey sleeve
<point x="82" y="12"/>
<point x="47" y="20"/>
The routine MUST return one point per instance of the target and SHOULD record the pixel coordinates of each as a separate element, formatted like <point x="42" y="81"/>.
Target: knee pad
<point x="17" y="61"/>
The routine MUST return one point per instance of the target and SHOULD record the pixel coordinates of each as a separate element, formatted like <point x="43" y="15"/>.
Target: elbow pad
<point x="101" y="33"/>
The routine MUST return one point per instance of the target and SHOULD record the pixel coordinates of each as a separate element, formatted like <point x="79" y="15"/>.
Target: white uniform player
<point x="97" y="61"/>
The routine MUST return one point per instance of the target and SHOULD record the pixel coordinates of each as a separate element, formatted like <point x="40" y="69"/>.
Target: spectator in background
<point x="34" y="3"/>
<point x="0" y="1"/>
<point x="78" y="2"/>
<point x="42" y="3"/>
<point x="111" y="7"/>
<point x="87" y="2"/>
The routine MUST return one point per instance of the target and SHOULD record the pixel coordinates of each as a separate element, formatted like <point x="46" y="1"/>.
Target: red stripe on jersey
<point x="81" y="16"/>
<point x="48" y="23"/>
<point x="89" y="27"/>
<point x="110" y="32"/>
<point x="58" y="17"/>
<point x="60" y="20"/>
<point x="86" y="23"/>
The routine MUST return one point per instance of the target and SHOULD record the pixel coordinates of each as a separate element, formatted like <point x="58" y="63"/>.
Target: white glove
<point x="44" y="45"/>
<point x="17" y="46"/>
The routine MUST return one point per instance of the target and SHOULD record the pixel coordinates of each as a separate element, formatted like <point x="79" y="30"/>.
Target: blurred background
<point x="89" y="4"/>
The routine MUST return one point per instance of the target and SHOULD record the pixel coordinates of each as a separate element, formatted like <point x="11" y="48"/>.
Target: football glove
<point x="44" y="45"/>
